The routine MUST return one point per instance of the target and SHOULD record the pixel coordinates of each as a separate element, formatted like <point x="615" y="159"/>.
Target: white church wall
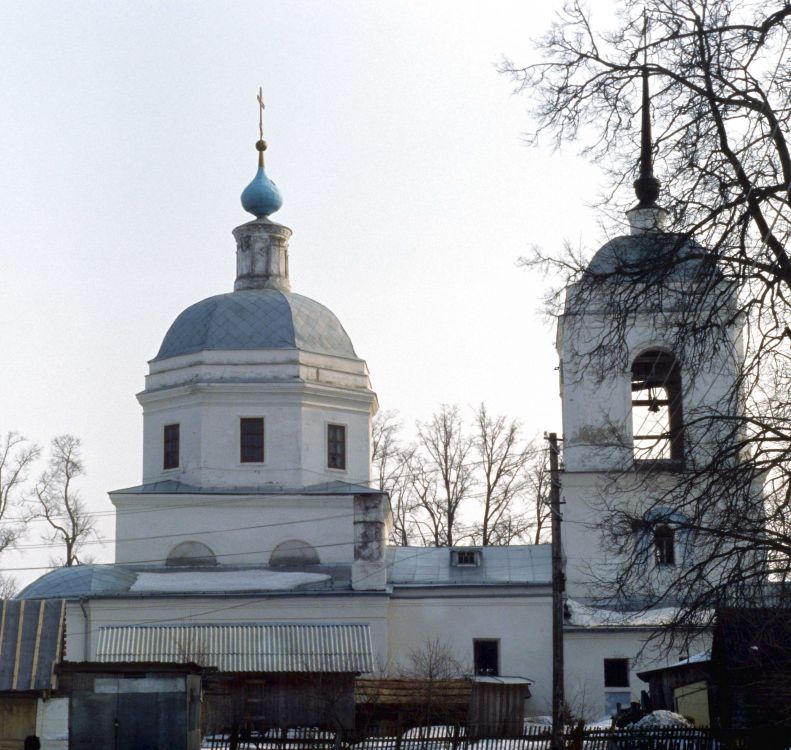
<point x="295" y="434"/>
<point x="239" y="529"/>
<point x="521" y="623"/>
<point x="584" y="655"/>
<point x="597" y="417"/>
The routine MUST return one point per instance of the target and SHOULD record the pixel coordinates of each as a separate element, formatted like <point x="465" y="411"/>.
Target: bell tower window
<point x="170" y="447"/>
<point x="336" y="446"/>
<point x="665" y="545"/>
<point x="657" y="417"/>
<point x="251" y="440"/>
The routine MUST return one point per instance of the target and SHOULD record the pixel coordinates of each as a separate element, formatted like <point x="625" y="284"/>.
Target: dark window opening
<point x="486" y="654"/>
<point x="336" y="446"/>
<point x="616" y="673"/>
<point x="251" y="439"/>
<point x="665" y="545"/>
<point x="469" y="557"/>
<point x="657" y="418"/>
<point x="170" y="454"/>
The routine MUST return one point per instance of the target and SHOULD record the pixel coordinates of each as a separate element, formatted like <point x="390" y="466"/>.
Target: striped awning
<point x="271" y="647"/>
<point x="31" y="633"/>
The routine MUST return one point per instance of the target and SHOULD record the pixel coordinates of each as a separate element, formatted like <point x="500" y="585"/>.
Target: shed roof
<point x="270" y="647"/>
<point x="30" y="643"/>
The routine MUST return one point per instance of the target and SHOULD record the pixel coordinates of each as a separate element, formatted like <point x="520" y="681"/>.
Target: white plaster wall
<point x="295" y="434"/>
<point x="584" y="655"/>
<point x="522" y="623"/>
<point x="52" y="723"/>
<point x="239" y="529"/>
<point x="597" y="424"/>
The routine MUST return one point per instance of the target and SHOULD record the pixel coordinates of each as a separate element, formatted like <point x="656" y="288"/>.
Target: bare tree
<point x="539" y="483"/>
<point x="434" y="660"/>
<point x="16" y="456"/>
<point x="503" y="462"/>
<point x="445" y="442"/>
<point x="58" y="502"/>
<point x="721" y="112"/>
<point x="393" y="464"/>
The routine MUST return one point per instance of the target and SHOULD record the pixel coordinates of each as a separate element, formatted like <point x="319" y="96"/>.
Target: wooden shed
<point x="31" y="637"/>
<point x="751" y="670"/>
<point x="490" y="706"/>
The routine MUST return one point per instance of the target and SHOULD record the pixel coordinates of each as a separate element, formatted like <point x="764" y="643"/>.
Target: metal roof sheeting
<point x="31" y="633"/>
<point x="271" y="647"/>
<point x="433" y="566"/>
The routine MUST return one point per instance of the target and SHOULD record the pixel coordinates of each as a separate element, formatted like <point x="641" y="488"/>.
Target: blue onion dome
<point x="261" y="197"/>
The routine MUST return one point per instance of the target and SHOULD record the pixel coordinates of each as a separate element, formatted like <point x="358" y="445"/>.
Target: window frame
<point x="456" y="558"/>
<point x="167" y="446"/>
<point x="663" y="540"/>
<point x="329" y="443"/>
<point x="245" y="461"/>
<point x="620" y="662"/>
<point x="655" y="369"/>
<point x="477" y="669"/>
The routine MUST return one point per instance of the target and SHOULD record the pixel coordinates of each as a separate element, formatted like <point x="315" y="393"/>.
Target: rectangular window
<point x="336" y="446"/>
<point x="486" y="654"/>
<point x="616" y="673"/>
<point x="465" y="558"/>
<point x="251" y="440"/>
<point x="170" y="453"/>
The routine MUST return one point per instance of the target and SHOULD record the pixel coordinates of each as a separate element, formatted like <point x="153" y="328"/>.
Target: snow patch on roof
<point x="237" y="580"/>
<point x="586" y="616"/>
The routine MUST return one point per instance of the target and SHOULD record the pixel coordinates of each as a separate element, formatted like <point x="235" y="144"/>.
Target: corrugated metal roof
<point x="416" y="566"/>
<point x="31" y="633"/>
<point x="270" y="647"/>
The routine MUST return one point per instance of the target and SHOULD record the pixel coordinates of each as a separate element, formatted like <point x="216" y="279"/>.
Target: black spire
<point x="646" y="186"/>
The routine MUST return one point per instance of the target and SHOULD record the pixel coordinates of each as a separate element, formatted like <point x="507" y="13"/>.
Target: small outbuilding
<point x="31" y="638"/>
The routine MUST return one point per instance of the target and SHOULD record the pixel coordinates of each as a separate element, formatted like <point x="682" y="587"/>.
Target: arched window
<point x="190" y="554"/>
<point x="657" y="417"/>
<point x="664" y="545"/>
<point x="294" y="552"/>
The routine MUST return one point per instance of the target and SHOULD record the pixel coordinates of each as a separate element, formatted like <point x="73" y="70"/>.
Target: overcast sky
<point x="128" y="135"/>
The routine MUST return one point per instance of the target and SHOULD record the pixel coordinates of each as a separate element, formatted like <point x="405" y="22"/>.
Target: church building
<point x="256" y="545"/>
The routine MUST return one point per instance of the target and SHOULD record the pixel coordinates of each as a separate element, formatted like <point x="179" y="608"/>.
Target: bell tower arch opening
<point x="657" y="413"/>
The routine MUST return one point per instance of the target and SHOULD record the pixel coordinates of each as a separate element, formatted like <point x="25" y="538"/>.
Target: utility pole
<point x="558" y="588"/>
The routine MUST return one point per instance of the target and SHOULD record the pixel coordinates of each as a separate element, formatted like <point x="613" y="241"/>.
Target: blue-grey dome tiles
<point x="654" y="253"/>
<point x="256" y="319"/>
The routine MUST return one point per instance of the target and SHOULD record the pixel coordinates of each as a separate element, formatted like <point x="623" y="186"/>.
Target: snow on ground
<point x="657" y="719"/>
<point x="234" y="580"/>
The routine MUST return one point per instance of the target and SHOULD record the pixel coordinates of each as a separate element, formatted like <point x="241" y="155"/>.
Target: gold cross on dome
<point x="261" y="108"/>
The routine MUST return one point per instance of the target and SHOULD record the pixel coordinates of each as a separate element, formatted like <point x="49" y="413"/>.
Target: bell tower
<point x="635" y="384"/>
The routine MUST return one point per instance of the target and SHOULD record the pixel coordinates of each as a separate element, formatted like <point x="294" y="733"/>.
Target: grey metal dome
<point x="659" y="254"/>
<point x="256" y="319"/>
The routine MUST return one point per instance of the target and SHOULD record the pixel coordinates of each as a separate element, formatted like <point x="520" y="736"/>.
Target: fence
<point x="464" y="738"/>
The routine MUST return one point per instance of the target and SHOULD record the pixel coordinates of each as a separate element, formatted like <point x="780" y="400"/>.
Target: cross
<point x="261" y="106"/>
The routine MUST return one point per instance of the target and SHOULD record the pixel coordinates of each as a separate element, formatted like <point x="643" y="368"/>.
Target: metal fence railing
<point x="466" y="738"/>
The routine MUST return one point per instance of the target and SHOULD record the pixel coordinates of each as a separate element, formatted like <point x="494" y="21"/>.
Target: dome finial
<point x="261" y="197"/>
<point x="646" y="186"/>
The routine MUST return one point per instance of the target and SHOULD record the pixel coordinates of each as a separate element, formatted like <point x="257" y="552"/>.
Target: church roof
<point x="407" y="566"/>
<point x="659" y="255"/>
<point x="256" y="319"/>
<point x="174" y="487"/>
<point x="433" y="566"/>
<point x="120" y="580"/>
